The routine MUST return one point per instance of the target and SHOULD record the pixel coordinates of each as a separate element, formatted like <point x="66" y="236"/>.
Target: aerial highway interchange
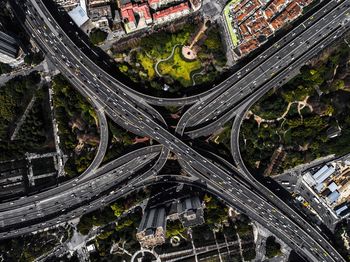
<point x="100" y="186"/>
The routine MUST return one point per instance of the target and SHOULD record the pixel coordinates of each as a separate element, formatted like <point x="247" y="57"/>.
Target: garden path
<point x="164" y="60"/>
<point x="301" y="105"/>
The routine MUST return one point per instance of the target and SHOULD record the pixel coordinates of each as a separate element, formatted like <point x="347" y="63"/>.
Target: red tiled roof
<point x="144" y="8"/>
<point x="249" y="46"/>
<point x="170" y="10"/>
<point x="293" y="10"/>
<point x="128" y="10"/>
<point x="153" y="2"/>
<point x="128" y="14"/>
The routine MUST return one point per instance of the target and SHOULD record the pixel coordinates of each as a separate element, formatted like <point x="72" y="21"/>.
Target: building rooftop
<point x="96" y="13"/>
<point x="333" y="197"/>
<point x="151" y="231"/>
<point x="124" y="2"/>
<point x="256" y="20"/>
<point x="319" y="187"/>
<point x="8" y="45"/>
<point x="325" y="175"/>
<point x="79" y="16"/>
<point x="341" y="208"/>
<point x="94" y="3"/>
<point x="333" y="186"/>
<point x="152" y="219"/>
<point x="320" y="172"/>
<point x="136" y="16"/>
<point x="171" y="10"/>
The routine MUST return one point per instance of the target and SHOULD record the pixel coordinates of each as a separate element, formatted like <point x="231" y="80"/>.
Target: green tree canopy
<point x="97" y="36"/>
<point x="273" y="248"/>
<point x="174" y="228"/>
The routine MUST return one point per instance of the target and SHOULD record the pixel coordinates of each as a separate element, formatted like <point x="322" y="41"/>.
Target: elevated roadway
<point x="226" y="184"/>
<point x="285" y="54"/>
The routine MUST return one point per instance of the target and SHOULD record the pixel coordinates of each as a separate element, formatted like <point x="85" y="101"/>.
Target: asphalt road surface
<point x="124" y="106"/>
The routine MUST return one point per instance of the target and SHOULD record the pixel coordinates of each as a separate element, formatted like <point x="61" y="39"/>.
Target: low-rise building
<point x="342" y="210"/>
<point x="255" y="20"/>
<point x="327" y="188"/>
<point x="67" y="5"/>
<point x="91" y="248"/>
<point x="78" y="15"/>
<point x="99" y="12"/>
<point x="135" y="17"/>
<point x="191" y="212"/>
<point x="95" y="3"/>
<point x="188" y="210"/>
<point x="152" y="228"/>
<point x="171" y="13"/>
<point x="137" y="14"/>
<point x="333" y="197"/>
<point x="156" y="4"/>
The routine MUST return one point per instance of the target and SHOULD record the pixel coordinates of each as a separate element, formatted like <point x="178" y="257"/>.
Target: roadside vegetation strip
<point x="233" y="36"/>
<point x="101" y="123"/>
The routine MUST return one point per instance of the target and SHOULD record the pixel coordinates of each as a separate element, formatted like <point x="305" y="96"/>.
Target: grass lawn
<point x="161" y="45"/>
<point x="178" y="68"/>
<point x="234" y="38"/>
<point x="147" y="64"/>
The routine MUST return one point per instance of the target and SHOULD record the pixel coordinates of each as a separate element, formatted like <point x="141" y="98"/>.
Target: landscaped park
<point x="177" y="67"/>
<point x="308" y="118"/>
<point x="173" y="60"/>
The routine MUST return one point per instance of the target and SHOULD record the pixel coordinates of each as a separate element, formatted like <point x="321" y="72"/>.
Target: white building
<point x="78" y="15"/>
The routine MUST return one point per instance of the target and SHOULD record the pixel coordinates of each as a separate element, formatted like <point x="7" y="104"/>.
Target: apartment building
<point x="171" y="13"/>
<point x="157" y="4"/>
<point x="136" y="16"/>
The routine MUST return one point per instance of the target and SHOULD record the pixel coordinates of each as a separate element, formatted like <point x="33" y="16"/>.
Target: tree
<point x="208" y="198"/>
<point x="213" y="42"/>
<point x="37" y="58"/>
<point x="273" y="248"/>
<point x="215" y="212"/>
<point x="118" y="209"/>
<point x="124" y="223"/>
<point x="5" y="68"/>
<point x="174" y="228"/>
<point x="85" y="224"/>
<point x="105" y="235"/>
<point x="249" y="254"/>
<point x="97" y="36"/>
<point x="33" y="58"/>
<point x="337" y="85"/>
<point x="28" y="59"/>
